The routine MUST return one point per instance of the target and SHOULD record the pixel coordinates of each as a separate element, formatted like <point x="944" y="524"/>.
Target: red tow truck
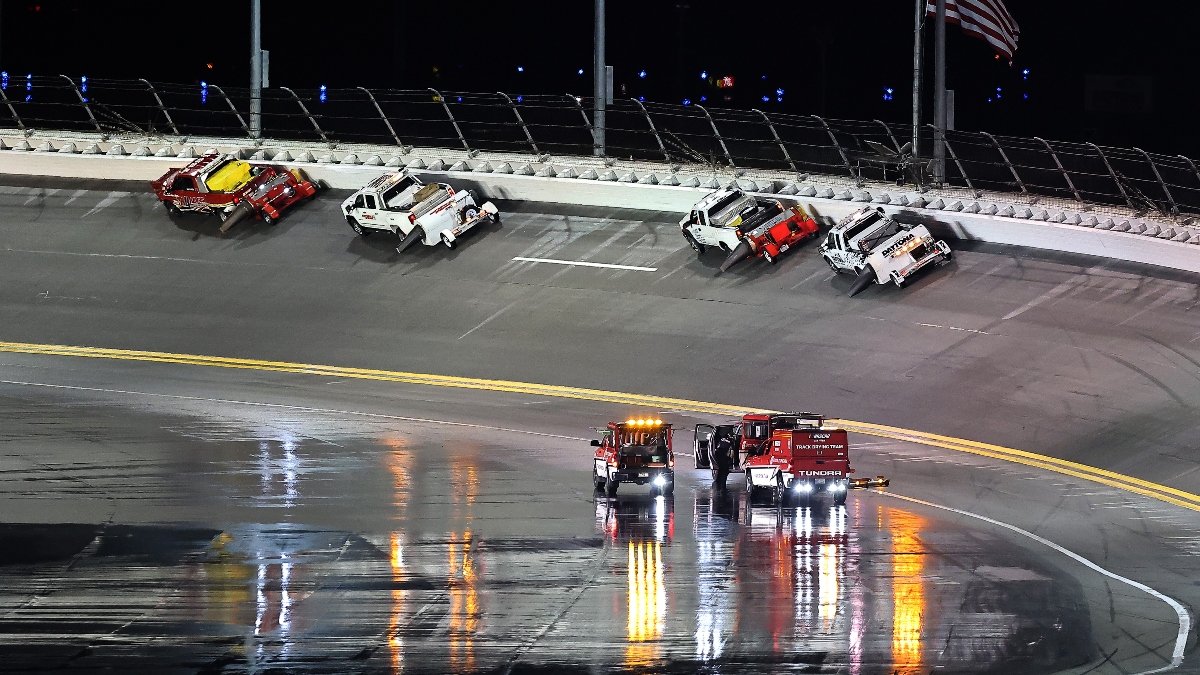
<point x="233" y="189"/>
<point x="787" y="454"/>
<point x="634" y="451"/>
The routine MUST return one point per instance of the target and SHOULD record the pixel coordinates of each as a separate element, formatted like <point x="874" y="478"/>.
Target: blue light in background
<point x="520" y="98"/>
<point x="581" y="71"/>
<point x="687" y="101"/>
<point x="1026" y="95"/>
<point x="83" y="83"/>
<point x="323" y="94"/>
<point x="520" y="69"/>
<point x="642" y="74"/>
<point x="703" y="99"/>
<point x="642" y="99"/>
<point x="779" y="91"/>
<point x="766" y="98"/>
<point x="888" y="93"/>
<point x="29" y="86"/>
<point x="203" y="92"/>
<point x="764" y="77"/>
<point x="704" y="74"/>
<point x="4" y="79"/>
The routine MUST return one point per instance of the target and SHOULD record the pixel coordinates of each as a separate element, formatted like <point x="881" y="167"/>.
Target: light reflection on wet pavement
<point x="415" y="553"/>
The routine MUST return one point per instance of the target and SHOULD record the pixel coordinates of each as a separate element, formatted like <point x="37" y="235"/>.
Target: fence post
<point x="235" y="110"/>
<point x="528" y="136"/>
<point x="717" y="135"/>
<point x="1191" y="164"/>
<point x="383" y="117"/>
<point x="1161" y="182"/>
<point x="961" y="171"/>
<point x="771" y="126"/>
<point x="162" y="108"/>
<point x="649" y="121"/>
<point x="586" y="122"/>
<point x="304" y="109"/>
<point x="1004" y="155"/>
<point x="84" y="103"/>
<point x="1057" y="163"/>
<point x="1113" y="174"/>
<point x="845" y="159"/>
<point x="446" y="106"/>
<point x="13" y="111"/>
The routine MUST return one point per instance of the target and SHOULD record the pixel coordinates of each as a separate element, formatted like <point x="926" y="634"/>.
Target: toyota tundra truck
<point x="877" y="249"/>
<point x="794" y="455"/>
<point x="635" y="451"/>
<point x="745" y="226"/>
<point x="401" y="204"/>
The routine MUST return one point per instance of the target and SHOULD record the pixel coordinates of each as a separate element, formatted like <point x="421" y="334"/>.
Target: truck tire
<point x="597" y="480"/>
<point x="358" y="229"/>
<point x="769" y="258"/>
<point x="839" y="499"/>
<point x="696" y="246"/>
<point x="410" y="239"/>
<point x="172" y="210"/>
<point x="468" y="213"/>
<point x="610" y="486"/>
<point x="450" y="244"/>
<point x="835" y="268"/>
<point x="269" y="219"/>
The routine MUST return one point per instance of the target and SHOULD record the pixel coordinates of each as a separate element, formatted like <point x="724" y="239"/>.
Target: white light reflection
<point x="660" y="518"/>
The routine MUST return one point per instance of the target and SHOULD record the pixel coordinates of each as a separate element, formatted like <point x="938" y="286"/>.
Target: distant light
<point x="460" y="99"/>
<point x="764" y="77"/>
<point x="888" y="90"/>
<point x="687" y="101"/>
<point x="888" y="93"/>
<point x="520" y="69"/>
<point x="323" y="94"/>
<point x="83" y="86"/>
<point x="1026" y="95"/>
<point x="642" y="99"/>
<point x="4" y="79"/>
<point x="779" y="92"/>
<point x="766" y="98"/>
<point x="1025" y="72"/>
<point x="208" y="65"/>
<point x="998" y="89"/>
<point x="704" y="74"/>
<point x="989" y="100"/>
<point x="779" y="99"/>
<point x="703" y="99"/>
<point x="642" y="74"/>
<point x="581" y="71"/>
<point x="519" y="98"/>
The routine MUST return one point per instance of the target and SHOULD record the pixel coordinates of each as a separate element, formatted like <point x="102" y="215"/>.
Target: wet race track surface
<point x="174" y="518"/>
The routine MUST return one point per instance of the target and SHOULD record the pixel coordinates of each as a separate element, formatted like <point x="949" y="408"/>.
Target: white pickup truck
<point x="878" y="249"/>
<point x="400" y="203"/>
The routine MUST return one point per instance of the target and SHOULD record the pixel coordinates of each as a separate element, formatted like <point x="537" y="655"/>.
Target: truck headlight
<point x="660" y="480"/>
<point x="804" y="487"/>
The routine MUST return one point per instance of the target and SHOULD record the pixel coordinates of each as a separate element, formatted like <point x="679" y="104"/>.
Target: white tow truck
<point x="400" y="203"/>
<point x="879" y="250"/>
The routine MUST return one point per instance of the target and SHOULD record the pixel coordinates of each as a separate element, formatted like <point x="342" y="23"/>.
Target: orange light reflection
<point x="908" y="593"/>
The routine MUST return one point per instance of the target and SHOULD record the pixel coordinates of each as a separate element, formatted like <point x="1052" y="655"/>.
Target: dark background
<point x="830" y="58"/>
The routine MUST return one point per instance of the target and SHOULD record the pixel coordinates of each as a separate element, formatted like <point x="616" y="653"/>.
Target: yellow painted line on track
<point x="1139" y="486"/>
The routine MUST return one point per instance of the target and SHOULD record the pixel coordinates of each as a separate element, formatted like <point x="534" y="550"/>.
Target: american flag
<point x="987" y="20"/>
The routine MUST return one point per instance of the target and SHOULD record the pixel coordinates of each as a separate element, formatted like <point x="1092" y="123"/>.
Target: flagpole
<point x="918" y="47"/>
<point x="939" y="92"/>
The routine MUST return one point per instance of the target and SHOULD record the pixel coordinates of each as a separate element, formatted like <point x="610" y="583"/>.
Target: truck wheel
<point x="691" y="240"/>
<point x="898" y="280"/>
<point x="449" y="244"/>
<point x="769" y="258"/>
<point x="839" y="499"/>
<point x="835" y="268"/>
<point x="269" y="219"/>
<point x="948" y="256"/>
<point x="358" y="229"/>
<point x="468" y="213"/>
<point x="610" y="486"/>
<point x="172" y="210"/>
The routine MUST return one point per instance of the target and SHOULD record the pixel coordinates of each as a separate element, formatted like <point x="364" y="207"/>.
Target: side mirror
<point x="595" y="443"/>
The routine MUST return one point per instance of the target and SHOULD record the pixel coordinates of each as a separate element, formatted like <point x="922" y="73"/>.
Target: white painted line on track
<point x="1185" y="621"/>
<point x="582" y="263"/>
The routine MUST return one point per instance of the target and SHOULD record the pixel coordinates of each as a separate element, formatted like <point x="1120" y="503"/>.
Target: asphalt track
<point x="1079" y="359"/>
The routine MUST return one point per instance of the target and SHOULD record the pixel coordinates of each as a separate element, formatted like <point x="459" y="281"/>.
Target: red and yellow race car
<point x="233" y="189"/>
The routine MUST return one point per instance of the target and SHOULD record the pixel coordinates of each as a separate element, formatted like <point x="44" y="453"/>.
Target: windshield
<point x="401" y="185"/>
<point x="862" y="225"/>
<point x="724" y="203"/>
<point x="880" y="235"/>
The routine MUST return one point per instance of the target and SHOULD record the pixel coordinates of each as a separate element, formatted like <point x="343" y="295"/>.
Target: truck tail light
<point x="671" y="461"/>
<point x="412" y="218"/>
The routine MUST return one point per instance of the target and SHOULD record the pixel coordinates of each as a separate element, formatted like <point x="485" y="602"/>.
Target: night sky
<point x="831" y="58"/>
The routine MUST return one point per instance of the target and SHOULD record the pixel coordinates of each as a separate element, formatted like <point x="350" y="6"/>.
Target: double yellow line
<point x="1146" y="488"/>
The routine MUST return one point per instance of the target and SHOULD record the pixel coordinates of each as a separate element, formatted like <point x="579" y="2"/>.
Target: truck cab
<point x="795" y="454"/>
<point x="635" y="451"/>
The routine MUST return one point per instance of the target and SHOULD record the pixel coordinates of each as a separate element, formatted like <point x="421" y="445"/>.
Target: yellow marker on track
<point x="1145" y="488"/>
